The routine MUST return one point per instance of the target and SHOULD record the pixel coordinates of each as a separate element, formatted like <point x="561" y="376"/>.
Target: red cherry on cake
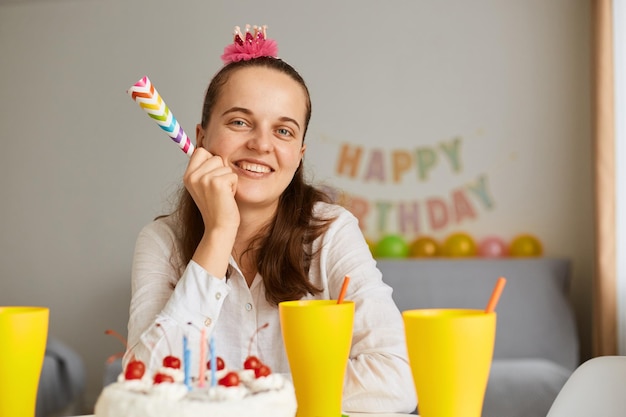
<point x="231" y="379"/>
<point x="262" y="370"/>
<point x="159" y="378"/>
<point x="219" y="364"/>
<point x="252" y="362"/>
<point x="135" y="370"/>
<point x="171" y="362"/>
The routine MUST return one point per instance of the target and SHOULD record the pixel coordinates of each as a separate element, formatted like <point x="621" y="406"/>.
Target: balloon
<point x="392" y="246"/>
<point x="424" y="247"/>
<point x="459" y="245"/>
<point x="526" y="245"/>
<point x="492" y="247"/>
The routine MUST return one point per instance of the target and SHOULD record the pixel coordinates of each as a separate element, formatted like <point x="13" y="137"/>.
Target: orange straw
<point x="495" y="295"/>
<point x="344" y="287"/>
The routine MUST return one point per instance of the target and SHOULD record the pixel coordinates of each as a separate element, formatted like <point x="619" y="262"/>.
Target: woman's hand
<point x="212" y="186"/>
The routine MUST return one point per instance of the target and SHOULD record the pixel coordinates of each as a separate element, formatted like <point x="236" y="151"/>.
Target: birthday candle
<point x="186" y="363"/>
<point x="213" y="362"/>
<point x="202" y="357"/>
<point x="149" y="99"/>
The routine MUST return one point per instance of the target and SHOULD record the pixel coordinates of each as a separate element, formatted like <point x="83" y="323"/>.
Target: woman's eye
<point x="283" y="132"/>
<point x="238" y="123"/>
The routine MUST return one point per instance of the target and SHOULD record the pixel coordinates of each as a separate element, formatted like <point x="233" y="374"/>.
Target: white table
<point x="350" y="414"/>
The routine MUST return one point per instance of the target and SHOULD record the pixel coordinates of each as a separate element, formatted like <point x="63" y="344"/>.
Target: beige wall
<point x="82" y="169"/>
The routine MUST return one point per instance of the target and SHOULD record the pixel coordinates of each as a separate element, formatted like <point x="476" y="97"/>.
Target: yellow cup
<point x="23" y="337"/>
<point x="450" y="352"/>
<point x="317" y="336"/>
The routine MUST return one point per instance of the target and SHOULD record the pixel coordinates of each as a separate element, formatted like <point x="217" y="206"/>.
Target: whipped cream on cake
<point x="266" y="396"/>
<point x="220" y="392"/>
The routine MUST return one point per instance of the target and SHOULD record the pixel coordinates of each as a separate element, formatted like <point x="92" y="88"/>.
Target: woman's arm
<point x="378" y="376"/>
<point x="158" y="296"/>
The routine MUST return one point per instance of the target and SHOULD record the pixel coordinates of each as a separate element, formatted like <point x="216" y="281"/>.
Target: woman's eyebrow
<point x="289" y="119"/>
<point x="237" y="109"/>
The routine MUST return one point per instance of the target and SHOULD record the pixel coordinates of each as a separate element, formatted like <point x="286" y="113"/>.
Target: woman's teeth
<point x="262" y="169"/>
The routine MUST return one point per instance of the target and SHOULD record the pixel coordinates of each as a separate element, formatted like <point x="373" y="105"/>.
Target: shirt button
<point x="208" y="322"/>
<point x="218" y="295"/>
<point x="248" y="306"/>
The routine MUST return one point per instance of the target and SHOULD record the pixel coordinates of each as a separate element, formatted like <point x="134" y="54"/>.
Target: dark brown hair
<point x="283" y="247"/>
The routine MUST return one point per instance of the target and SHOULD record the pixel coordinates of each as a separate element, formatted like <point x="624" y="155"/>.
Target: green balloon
<point x="392" y="246"/>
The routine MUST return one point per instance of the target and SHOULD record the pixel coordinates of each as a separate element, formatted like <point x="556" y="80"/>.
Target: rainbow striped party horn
<point x="148" y="98"/>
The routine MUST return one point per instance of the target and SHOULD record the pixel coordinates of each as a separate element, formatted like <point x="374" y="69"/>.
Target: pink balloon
<point x="492" y="247"/>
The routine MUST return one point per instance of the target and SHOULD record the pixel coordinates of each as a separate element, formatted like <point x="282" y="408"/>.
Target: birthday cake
<point x="244" y="393"/>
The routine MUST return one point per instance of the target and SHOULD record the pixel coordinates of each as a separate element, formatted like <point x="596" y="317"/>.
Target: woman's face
<point x="257" y="127"/>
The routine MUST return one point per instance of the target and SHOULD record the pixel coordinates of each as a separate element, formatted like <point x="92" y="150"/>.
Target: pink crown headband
<point x="252" y="45"/>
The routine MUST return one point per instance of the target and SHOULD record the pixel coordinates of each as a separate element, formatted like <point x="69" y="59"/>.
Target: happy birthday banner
<point x="424" y="159"/>
<point x="407" y="216"/>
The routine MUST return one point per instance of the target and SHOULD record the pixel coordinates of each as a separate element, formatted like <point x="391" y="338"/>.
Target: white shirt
<point x="378" y="377"/>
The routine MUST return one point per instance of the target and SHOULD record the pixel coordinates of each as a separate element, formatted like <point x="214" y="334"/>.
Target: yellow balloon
<point x="424" y="247"/>
<point x="459" y="245"/>
<point x="526" y="245"/>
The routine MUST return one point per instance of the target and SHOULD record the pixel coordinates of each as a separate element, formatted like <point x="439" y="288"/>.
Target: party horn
<point x="148" y="98"/>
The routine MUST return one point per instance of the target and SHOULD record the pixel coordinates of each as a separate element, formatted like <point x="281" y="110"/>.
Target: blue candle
<point x="213" y="362"/>
<point x="186" y="362"/>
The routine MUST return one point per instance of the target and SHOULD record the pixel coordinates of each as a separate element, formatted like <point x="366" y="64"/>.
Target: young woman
<point x="249" y="232"/>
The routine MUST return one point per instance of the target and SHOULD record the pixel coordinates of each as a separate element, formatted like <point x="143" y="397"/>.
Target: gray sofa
<point x="536" y="346"/>
<point x="62" y="381"/>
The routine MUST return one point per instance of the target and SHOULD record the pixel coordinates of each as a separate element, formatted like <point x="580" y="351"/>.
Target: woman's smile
<point x="253" y="167"/>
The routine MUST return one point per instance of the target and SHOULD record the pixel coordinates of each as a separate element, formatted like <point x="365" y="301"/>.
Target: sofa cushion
<point x="523" y="387"/>
<point x="534" y="315"/>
